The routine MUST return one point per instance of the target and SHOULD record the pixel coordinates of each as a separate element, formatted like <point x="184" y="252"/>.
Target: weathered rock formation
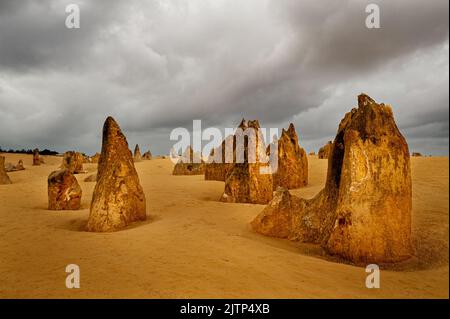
<point x="4" y="178"/>
<point x="217" y="167"/>
<point x="190" y="163"/>
<point x="364" y="212"/>
<point x="118" y="198"/>
<point x="292" y="166"/>
<point x="324" y="151"/>
<point x="36" y="157"/>
<point x="246" y="181"/>
<point x="312" y="153"/>
<point x="73" y="161"/>
<point x="147" y="155"/>
<point x="416" y="154"/>
<point x="137" y="154"/>
<point x="64" y="192"/>
<point x="14" y="168"/>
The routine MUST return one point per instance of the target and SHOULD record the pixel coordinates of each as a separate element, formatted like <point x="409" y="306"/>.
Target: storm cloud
<point x="157" y="65"/>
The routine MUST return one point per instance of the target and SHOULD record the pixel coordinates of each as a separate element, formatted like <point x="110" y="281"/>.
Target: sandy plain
<point x="193" y="246"/>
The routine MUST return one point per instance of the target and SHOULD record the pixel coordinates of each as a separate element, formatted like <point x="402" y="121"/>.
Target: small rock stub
<point x="4" y="178"/>
<point x="36" y="157"/>
<point x="364" y="212"/>
<point x="64" y="192"/>
<point x="118" y="199"/>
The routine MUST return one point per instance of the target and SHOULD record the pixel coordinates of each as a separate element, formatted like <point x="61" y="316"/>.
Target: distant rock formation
<point x="147" y="155"/>
<point x="118" y="198"/>
<point x="245" y="182"/>
<point x="292" y="170"/>
<point x="217" y="167"/>
<point x="4" y="178"/>
<point x="364" y="212"/>
<point x="324" y="151"/>
<point x="416" y="154"/>
<point x="190" y="163"/>
<point x="64" y="192"/>
<point x="312" y="153"/>
<point x="73" y="161"/>
<point x="137" y="154"/>
<point x="36" y="157"/>
<point x="14" y="168"/>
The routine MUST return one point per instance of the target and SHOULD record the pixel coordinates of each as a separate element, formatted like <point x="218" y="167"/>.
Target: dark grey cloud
<point x="159" y="65"/>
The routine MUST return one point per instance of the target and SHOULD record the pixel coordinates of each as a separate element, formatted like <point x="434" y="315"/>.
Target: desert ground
<point x="193" y="246"/>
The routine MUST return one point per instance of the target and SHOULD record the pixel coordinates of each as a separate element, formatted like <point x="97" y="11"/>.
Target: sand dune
<point x="193" y="246"/>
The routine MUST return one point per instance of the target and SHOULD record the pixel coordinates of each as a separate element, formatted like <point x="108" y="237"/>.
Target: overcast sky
<point x="157" y="65"/>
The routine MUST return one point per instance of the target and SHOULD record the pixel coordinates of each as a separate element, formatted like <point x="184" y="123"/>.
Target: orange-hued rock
<point x="36" y="157"/>
<point x="4" y="178"/>
<point x="118" y="198"/>
<point x="64" y="192"/>
<point x="324" y="151"/>
<point x="190" y="163"/>
<point x="73" y="161"/>
<point x="291" y="170"/>
<point x="147" y="155"/>
<point x="364" y="212"/>
<point x="218" y="166"/>
<point x="95" y="158"/>
<point x="137" y="154"/>
<point x="250" y="178"/>
<point x="312" y="153"/>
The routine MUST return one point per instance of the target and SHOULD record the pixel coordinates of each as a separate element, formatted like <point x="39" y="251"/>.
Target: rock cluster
<point x="118" y="198"/>
<point x="190" y="163"/>
<point x="64" y="192"/>
<point x="364" y="212"/>
<point x="73" y="161"/>
<point x="250" y="178"/>
<point x="416" y="154"/>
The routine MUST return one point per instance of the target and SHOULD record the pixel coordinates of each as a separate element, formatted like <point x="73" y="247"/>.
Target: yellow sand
<point x="194" y="246"/>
